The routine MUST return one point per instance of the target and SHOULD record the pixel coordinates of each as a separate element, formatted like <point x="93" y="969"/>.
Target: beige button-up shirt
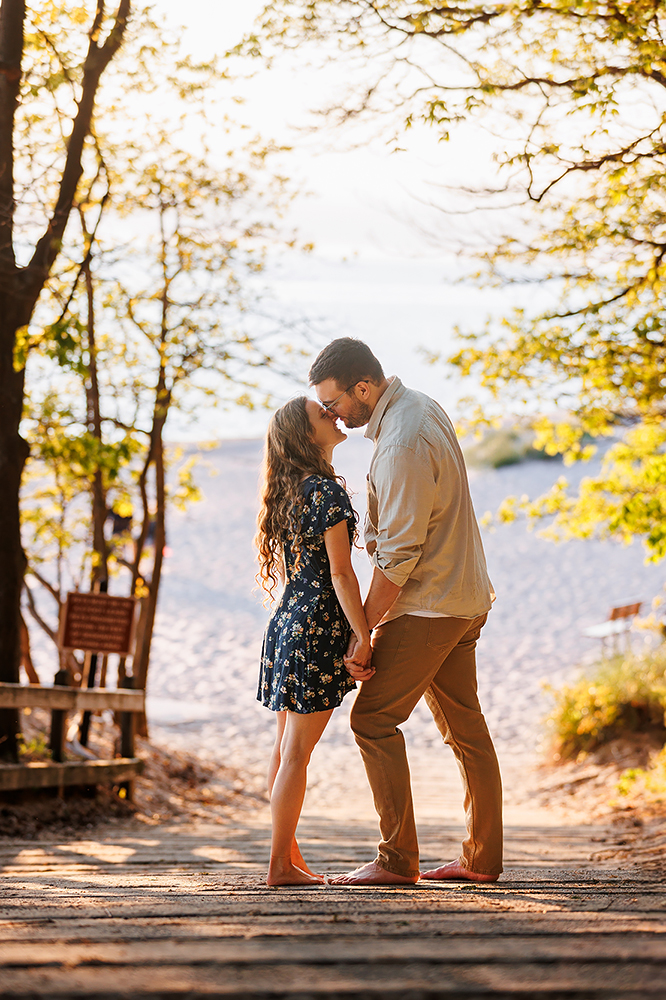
<point x="421" y="530"/>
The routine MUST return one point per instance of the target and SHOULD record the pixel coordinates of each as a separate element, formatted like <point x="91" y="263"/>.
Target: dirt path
<point x="182" y="912"/>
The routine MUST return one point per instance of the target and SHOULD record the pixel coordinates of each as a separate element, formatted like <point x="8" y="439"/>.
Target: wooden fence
<point x="60" y="699"/>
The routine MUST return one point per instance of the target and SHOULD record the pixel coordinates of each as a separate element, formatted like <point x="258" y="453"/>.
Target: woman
<point x="306" y="528"/>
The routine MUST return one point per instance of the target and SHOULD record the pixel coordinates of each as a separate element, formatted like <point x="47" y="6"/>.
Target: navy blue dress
<point x="302" y="668"/>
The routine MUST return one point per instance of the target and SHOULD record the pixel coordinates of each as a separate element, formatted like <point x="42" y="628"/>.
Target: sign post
<point x="98" y="623"/>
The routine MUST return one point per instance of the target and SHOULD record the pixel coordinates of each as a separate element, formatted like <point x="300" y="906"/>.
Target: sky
<point x="355" y="201"/>
<point x="377" y="270"/>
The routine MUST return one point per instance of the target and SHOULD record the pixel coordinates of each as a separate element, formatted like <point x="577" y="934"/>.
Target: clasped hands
<point x="358" y="660"/>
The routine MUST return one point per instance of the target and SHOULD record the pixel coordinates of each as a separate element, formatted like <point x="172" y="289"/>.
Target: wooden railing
<point x="61" y="699"/>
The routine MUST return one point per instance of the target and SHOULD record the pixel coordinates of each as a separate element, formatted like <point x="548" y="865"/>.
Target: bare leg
<point x="301" y="735"/>
<point x="297" y="858"/>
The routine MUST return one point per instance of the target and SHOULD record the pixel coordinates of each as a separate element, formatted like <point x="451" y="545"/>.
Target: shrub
<point x="501" y="446"/>
<point x="625" y="694"/>
<point x="647" y="784"/>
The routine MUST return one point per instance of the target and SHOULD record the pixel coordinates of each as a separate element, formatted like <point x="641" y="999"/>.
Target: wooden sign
<point x="97" y="623"/>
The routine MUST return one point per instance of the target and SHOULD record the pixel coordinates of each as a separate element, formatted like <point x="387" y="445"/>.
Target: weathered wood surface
<point x="163" y="913"/>
<point x="70" y="699"/>
<point x="38" y="774"/>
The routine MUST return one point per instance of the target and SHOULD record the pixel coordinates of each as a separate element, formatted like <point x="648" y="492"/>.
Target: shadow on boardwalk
<point x="182" y="913"/>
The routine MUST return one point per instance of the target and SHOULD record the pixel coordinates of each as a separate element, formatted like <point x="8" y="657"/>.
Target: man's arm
<point x="381" y="595"/>
<point x="405" y="490"/>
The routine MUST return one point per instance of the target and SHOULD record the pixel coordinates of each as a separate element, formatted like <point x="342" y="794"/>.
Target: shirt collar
<point x="385" y="400"/>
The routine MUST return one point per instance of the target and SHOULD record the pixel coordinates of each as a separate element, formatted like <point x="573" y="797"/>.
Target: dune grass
<point x="499" y="447"/>
<point x="646" y="784"/>
<point x="620" y="695"/>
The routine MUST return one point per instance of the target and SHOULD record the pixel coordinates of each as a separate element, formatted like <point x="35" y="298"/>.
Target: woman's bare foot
<point x="298" y="861"/>
<point x="281" y="871"/>
<point x="372" y="874"/>
<point x="455" y="871"/>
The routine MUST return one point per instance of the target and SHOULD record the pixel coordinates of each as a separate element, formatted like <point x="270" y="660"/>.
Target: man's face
<point x="349" y="404"/>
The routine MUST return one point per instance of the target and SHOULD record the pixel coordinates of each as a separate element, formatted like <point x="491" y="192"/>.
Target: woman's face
<point x="325" y="431"/>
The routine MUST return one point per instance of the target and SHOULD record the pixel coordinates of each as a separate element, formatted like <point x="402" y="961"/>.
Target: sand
<point x="210" y="622"/>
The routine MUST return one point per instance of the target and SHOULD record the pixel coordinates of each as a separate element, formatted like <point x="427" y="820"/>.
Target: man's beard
<point x="359" y="415"/>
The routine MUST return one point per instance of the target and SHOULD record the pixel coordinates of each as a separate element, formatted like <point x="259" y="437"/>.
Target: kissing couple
<point x="414" y="635"/>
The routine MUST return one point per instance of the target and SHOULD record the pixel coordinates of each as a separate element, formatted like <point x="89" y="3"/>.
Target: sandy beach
<point x="210" y="622"/>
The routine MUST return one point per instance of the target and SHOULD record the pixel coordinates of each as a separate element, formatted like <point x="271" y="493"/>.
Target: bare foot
<point x="372" y="874"/>
<point x="281" y="871"/>
<point x="455" y="871"/>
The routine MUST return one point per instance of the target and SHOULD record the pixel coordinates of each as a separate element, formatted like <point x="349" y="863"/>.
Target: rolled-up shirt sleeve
<point x="404" y="487"/>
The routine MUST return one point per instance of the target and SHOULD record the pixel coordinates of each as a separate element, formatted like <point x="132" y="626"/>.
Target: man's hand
<point x="358" y="659"/>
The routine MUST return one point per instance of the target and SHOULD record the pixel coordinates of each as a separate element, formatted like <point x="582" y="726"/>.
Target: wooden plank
<point x="342" y="979"/>
<point x="327" y="949"/>
<point x="578" y="926"/>
<point x="158" y="901"/>
<point x="50" y="775"/>
<point x="70" y="699"/>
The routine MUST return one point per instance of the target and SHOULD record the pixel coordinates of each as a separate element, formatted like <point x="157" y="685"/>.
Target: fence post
<point x="127" y="725"/>
<point x="59" y="721"/>
<point x="84" y="729"/>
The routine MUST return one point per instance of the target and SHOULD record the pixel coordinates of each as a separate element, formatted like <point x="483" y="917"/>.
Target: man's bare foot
<point x="455" y="871"/>
<point x="281" y="871"/>
<point x="372" y="874"/>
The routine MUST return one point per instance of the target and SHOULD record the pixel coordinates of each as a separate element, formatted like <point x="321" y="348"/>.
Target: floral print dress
<point x="302" y="667"/>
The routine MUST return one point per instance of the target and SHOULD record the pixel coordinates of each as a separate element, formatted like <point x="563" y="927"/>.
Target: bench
<point x="619" y="622"/>
<point x="61" y="699"/>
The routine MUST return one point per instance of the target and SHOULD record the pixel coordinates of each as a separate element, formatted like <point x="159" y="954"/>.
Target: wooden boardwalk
<point x="166" y="913"/>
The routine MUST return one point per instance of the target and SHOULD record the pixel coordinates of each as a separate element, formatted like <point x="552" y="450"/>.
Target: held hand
<point x="359" y="651"/>
<point x="360" y="673"/>
<point x="358" y="659"/>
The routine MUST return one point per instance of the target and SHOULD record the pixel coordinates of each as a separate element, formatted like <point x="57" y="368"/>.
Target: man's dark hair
<point x="346" y="360"/>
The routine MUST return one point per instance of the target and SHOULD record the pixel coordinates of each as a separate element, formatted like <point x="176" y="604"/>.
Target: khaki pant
<point x="434" y="657"/>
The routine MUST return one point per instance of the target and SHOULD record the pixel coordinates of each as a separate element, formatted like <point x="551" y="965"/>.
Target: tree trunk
<point x="94" y="420"/>
<point x="26" y="657"/>
<point x="19" y="291"/>
<point x="100" y="569"/>
<point x="13" y="454"/>
<point x="149" y="608"/>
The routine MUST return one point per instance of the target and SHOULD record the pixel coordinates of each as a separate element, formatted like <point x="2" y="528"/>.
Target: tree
<point x="153" y="308"/>
<point x="30" y="240"/>
<point x="576" y="90"/>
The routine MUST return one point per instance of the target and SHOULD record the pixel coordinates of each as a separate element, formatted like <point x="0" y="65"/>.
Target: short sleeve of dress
<point x="329" y="505"/>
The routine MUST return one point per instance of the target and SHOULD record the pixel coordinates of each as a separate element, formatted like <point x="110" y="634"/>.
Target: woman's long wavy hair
<point x="290" y="455"/>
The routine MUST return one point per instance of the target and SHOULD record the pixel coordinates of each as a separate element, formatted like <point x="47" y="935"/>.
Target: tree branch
<point x="36" y="615"/>
<point x="55" y="593"/>
<point x="96" y="61"/>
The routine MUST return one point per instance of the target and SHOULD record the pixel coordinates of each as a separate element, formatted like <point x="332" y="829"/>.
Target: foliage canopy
<point x="577" y="91"/>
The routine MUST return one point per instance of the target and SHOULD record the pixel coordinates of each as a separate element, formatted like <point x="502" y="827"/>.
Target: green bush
<point x="34" y="747"/>
<point x="646" y="784"/>
<point x="625" y="694"/>
<point x="499" y="447"/>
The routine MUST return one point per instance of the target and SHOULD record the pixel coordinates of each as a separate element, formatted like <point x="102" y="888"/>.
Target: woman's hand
<point x="359" y="657"/>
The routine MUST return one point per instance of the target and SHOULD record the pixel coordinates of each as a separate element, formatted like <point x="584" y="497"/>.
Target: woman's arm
<point x="347" y="590"/>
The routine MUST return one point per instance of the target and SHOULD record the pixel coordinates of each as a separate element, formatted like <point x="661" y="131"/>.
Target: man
<point x="428" y="600"/>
